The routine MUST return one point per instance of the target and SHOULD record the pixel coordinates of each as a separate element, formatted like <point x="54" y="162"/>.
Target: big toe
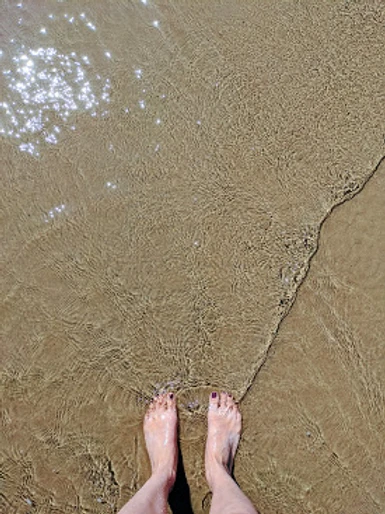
<point x="170" y="400"/>
<point x="214" y="401"/>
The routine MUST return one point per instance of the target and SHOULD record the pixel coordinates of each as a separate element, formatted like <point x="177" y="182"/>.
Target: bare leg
<point x="224" y="428"/>
<point x="160" y="431"/>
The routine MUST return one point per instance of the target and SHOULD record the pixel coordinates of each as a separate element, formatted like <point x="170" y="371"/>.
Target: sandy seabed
<point x="193" y="200"/>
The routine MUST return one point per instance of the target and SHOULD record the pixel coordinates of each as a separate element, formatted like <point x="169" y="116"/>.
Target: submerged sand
<point x="170" y="238"/>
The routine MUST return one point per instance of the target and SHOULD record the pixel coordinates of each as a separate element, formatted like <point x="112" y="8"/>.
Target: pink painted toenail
<point x="171" y="396"/>
<point x="213" y="395"/>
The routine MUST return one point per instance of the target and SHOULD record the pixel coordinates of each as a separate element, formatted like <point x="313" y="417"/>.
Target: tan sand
<point x="315" y="442"/>
<point x="142" y="256"/>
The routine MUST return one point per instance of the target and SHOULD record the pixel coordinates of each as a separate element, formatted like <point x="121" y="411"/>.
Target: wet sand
<point x="314" y="442"/>
<point x="166" y="234"/>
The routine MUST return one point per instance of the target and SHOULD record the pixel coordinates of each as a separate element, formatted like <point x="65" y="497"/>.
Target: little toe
<point x="150" y="410"/>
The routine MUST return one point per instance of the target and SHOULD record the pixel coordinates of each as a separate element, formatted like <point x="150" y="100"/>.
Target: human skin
<point x="160" y="430"/>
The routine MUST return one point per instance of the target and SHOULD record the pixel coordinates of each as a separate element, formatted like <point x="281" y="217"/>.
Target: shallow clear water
<point x="166" y="168"/>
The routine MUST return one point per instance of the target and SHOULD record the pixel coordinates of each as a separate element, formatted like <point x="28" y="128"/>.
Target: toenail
<point x="213" y="395"/>
<point x="171" y="396"/>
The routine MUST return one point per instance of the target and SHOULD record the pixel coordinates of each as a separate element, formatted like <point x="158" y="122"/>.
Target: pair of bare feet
<point x="160" y="430"/>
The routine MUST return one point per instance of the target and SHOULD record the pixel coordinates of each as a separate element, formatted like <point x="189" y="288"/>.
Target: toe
<point x="230" y="400"/>
<point x="223" y="400"/>
<point x="161" y="402"/>
<point x="157" y="402"/>
<point x="170" y="400"/>
<point x="214" y="400"/>
<point x="150" y="409"/>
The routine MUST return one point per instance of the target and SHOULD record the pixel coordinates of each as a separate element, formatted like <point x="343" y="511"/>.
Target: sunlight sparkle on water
<point x="42" y="83"/>
<point x="53" y="213"/>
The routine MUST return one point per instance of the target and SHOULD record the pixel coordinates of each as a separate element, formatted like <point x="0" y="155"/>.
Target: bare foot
<point x="160" y="432"/>
<point x="224" y="429"/>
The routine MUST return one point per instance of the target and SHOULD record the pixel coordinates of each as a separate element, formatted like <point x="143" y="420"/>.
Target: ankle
<point x="216" y="474"/>
<point x="164" y="479"/>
